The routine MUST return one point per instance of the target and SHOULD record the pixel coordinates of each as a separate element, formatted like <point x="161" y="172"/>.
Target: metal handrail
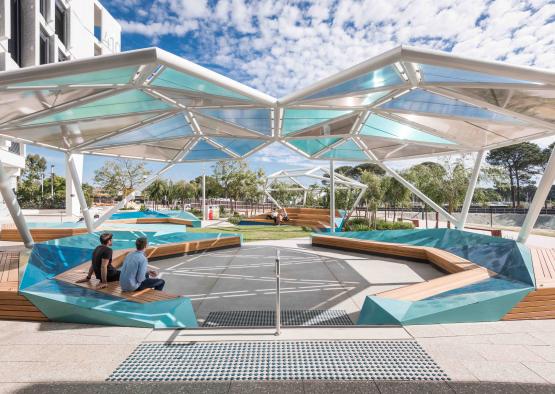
<point x="278" y="289"/>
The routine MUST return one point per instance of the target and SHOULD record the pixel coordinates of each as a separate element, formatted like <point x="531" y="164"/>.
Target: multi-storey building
<point x="35" y="32"/>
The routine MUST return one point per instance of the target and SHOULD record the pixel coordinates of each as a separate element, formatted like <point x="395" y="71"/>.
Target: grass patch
<point x="258" y="233"/>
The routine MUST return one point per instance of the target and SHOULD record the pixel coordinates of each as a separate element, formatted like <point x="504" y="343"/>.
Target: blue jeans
<point x="152" y="283"/>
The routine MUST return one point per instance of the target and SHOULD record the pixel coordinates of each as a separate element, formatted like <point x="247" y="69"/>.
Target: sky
<point x="280" y="46"/>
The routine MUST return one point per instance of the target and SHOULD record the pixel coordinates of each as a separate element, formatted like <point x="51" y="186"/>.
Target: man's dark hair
<point x="105" y="237"/>
<point x="141" y="242"/>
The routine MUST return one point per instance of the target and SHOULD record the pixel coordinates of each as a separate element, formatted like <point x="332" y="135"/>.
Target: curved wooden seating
<point x="147" y="295"/>
<point x="462" y="272"/>
<point x="317" y="218"/>
<point x="8" y="232"/>
<point x="14" y="306"/>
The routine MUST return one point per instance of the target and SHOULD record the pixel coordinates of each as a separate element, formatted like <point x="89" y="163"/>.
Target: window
<point x="60" y="23"/>
<point x="43" y="7"/>
<point x="44" y="48"/>
<point x="14" y="43"/>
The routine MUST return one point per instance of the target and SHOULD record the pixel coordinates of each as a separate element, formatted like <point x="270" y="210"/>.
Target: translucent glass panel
<point x="253" y="119"/>
<point x="379" y="126"/>
<point x="120" y="75"/>
<point x="423" y="101"/>
<point x="142" y="151"/>
<point x="313" y="146"/>
<point x="444" y="74"/>
<point x="240" y="146"/>
<point x="133" y="101"/>
<point x="348" y="150"/>
<point x="539" y="103"/>
<point x="170" y="128"/>
<point x="170" y="78"/>
<point x="205" y="151"/>
<point x="351" y="101"/>
<point x="386" y="76"/>
<point x="298" y="119"/>
<point x="211" y="126"/>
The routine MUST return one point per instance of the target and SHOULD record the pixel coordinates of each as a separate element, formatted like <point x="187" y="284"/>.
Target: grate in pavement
<point x="328" y="360"/>
<point x="331" y="317"/>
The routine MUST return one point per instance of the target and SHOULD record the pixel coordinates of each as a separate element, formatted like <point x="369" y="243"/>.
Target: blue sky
<point x="279" y="46"/>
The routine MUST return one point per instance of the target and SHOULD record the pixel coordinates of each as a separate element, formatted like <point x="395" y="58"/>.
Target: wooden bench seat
<point x="9" y="232"/>
<point x="14" y="306"/>
<point x="462" y="272"/>
<point x="147" y="295"/>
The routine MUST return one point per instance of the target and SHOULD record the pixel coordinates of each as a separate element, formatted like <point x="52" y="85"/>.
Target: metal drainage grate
<point x="338" y="360"/>
<point x="332" y="317"/>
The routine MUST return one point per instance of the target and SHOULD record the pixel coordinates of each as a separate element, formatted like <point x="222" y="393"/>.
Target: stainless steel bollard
<point x="278" y="304"/>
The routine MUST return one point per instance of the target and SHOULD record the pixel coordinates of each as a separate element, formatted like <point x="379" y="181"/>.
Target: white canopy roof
<point x="152" y="105"/>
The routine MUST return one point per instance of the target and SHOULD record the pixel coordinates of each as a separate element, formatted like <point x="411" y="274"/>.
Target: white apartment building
<point x="35" y="32"/>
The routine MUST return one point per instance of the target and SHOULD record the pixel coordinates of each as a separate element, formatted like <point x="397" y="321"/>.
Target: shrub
<point x="235" y="219"/>
<point x="362" y="224"/>
<point x="143" y="208"/>
<point x="196" y="212"/>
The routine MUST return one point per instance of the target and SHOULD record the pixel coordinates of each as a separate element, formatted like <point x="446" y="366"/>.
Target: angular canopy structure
<point x="149" y="104"/>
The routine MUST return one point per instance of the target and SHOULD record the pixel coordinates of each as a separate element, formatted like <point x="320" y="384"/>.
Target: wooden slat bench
<point x="462" y="272"/>
<point x="14" y="306"/>
<point x="147" y="295"/>
<point x="539" y="304"/>
<point x="9" y="232"/>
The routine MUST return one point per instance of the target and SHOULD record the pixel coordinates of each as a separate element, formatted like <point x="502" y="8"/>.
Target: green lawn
<point x="258" y="233"/>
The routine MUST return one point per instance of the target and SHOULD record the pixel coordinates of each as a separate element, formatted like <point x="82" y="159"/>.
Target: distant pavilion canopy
<point x="151" y="105"/>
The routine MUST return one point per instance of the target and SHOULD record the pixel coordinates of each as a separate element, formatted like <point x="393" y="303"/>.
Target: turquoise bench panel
<point x="195" y="222"/>
<point x="488" y="300"/>
<point x="61" y="301"/>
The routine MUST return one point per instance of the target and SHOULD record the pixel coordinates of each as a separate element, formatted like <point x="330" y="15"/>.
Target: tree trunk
<point x="437" y="220"/>
<point x="513" y="197"/>
<point x="517" y="177"/>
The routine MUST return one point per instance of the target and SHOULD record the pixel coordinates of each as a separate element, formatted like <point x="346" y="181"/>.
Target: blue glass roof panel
<point x="419" y="100"/>
<point x="241" y="146"/>
<point x="349" y="150"/>
<point x="386" y="76"/>
<point x="171" y="78"/>
<point x="313" y="145"/>
<point x="298" y="119"/>
<point x="129" y="102"/>
<point x="445" y="74"/>
<point x="170" y="128"/>
<point x="120" y="75"/>
<point x="205" y="151"/>
<point x="379" y="126"/>
<point x="252" y="119"/>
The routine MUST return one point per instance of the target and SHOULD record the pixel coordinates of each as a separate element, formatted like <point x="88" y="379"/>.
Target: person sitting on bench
<point x="101" y="263"/>
<point x="273" y="215"/>
<point x="135" y="275"/>
<point x="284" y="216"/>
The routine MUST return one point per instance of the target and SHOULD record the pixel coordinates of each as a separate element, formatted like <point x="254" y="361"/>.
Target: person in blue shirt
<point x="135" y="275"/>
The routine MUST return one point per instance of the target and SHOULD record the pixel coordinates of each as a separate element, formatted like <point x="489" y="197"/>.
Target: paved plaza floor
<point x="504" y="357"/>
<point x="311" y="278"/>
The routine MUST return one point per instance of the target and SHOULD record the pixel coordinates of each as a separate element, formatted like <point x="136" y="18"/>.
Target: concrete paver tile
<point x="497" y="371"/>
<point x="484" y="387"/>
<point x="413" y="387"/>
<point x="508" y="353"/>
<point x="454" y="369"/>
<point x="546" y="352"/>
<point x="545" y="370"/>
<point x="343" y="387"/>
<point x="519" y="338"/>
<point x="265" y="387"/>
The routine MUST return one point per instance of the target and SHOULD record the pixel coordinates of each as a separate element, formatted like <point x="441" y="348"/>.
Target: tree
<point x="521" y="162"/>
<point x="120" y="176"/>
<point x="156" y="191"/>
<point x="356" y="171"/>
<point x="224" y="173"/>
<point x="395" y="194"/>
<point x="213" y="188"/>
<point x="373" y="196"/>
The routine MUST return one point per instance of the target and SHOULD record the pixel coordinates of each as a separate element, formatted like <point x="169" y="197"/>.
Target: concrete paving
<point x="58" y="357"/>
<point x="311" y="278"/>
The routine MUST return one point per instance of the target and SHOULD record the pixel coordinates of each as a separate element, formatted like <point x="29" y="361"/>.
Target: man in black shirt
<point x="101" y="263"/>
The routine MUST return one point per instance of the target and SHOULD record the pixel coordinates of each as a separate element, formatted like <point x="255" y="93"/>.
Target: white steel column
<point x="332" y="197"/>
<point x="131" y="195"/>
<point x="70" y="164"/>
<point x="13" y="207"/>
<point x="470" y="190"/>
<point x="203" y="194"/>
<point x="74" y="179"/>
<point x="418" y="193"/>
<point x="539" y="198"/>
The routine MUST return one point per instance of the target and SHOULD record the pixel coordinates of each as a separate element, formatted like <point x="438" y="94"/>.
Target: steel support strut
<point x="80" y="195"/>
<point x="470" y="190"/>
